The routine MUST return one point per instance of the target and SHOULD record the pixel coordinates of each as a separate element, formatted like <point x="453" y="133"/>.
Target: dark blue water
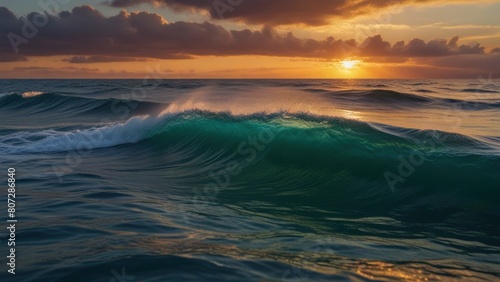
<point x="252" y="180"/>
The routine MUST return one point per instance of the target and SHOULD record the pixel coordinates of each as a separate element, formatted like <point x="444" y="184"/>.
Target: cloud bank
<point x="280" y="12"/>
<point x="86" y="32"/>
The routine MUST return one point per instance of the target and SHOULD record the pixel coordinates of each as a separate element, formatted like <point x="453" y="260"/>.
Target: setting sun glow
<point x="349" y="64"/>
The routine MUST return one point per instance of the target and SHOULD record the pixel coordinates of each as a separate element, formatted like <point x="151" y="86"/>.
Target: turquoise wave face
<point x="322" y="162"/>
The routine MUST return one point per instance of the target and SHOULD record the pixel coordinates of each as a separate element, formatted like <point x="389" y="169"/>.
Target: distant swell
<point x="478" y="90"/>
<point x="392" y="96"/>
<point x="40" y="102"/>
<point x="36" y="102"/>
<point x="394" y="99"/>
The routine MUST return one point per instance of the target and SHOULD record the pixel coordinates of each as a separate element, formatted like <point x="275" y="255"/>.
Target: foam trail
<point x="132" y="131"/>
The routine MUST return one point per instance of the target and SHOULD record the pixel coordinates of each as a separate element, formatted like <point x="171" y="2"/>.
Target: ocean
<point x="252" y="180"/>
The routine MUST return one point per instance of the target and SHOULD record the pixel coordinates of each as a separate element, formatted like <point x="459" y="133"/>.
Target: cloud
<point x="426" y="71"/>
<point x="74" y="72"/>
<point x="376" y="46"/>
<point x="12" y="58"/>
<point x="100" y="59"/>
<point x="42" y="69"/>
<point x="487" y="63"/>
<point x="91" y="37"/>
<point x="280" y="12"/>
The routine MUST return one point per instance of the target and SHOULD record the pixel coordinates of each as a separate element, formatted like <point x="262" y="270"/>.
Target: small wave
<point x="30" y="94"/>
<point x="395" y="96"/>
<point x="384" y="98"/>
<point x="181" y="84"/>
<point x="381" y="96"/>
<point x="57" y="103"/>
<point x="477" y="90"/>
<point x="424" y="91"/>
<point x="420" y="83"/>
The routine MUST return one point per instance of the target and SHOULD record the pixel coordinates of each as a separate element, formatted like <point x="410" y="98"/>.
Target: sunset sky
<point x="249" y="38"/>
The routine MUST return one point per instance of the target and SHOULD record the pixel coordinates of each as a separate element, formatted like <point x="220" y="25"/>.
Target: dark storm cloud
<point x="86" y="33"/>
<point x="277" y="12"/>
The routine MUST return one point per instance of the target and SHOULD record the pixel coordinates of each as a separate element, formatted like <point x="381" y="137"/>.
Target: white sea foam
<point x="132" y="131"/>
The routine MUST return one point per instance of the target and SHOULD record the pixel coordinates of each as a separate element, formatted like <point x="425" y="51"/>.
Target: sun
<point x="349" y="64"/>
